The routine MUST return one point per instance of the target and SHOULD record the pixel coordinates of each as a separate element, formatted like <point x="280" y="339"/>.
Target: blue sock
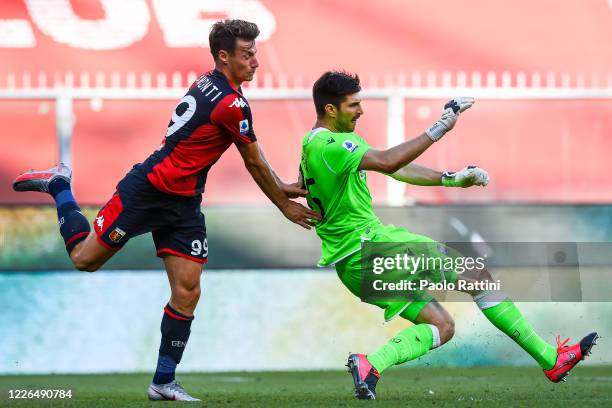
<point x="175" y="328"/>
<point x="166" y="369"/>
<point x="73" y="225"/>
<point x="61" y="192"/>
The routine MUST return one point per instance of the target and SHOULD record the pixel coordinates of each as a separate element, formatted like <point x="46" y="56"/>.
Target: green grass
<point x="410" y="387"/>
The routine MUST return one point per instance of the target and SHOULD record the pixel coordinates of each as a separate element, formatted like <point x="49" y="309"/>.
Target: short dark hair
<point x="332" y="87"/>
<point x="223" y="35"/>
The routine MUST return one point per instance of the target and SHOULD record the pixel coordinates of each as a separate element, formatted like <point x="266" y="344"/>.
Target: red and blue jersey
<point x="206" y="121"/>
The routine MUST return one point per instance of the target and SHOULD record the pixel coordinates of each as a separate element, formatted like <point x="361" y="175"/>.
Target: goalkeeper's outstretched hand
<point x="447" y="121"/>
<point x="467" y="177"/>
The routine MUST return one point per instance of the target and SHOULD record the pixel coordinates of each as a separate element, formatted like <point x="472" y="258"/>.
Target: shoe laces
<point x="175" y="386"/>
<point x="561" y="344"/>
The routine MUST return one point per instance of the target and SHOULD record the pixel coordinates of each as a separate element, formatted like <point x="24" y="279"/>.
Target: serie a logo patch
<point x="243" y="125"/>
<point x="116" y="235"/>
<point x="350" y="146"/>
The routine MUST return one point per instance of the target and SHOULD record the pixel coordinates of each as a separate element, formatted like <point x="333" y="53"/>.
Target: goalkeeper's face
<point x="348" y="114"/>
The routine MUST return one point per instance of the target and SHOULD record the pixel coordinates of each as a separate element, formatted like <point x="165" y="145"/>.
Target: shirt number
<point x="313" y="202"/>
<point x="178" y="121"/>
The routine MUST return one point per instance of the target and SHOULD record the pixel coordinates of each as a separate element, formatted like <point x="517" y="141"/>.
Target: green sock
<point x="409" y="344"/>
<point x="508" y="318"/>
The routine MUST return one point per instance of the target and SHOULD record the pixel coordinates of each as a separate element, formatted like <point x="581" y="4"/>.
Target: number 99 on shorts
<point x="199" y="248"/>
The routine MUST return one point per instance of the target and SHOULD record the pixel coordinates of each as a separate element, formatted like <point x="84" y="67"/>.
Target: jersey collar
<point x="222" y="75"/>
<point x="313" y="132"/>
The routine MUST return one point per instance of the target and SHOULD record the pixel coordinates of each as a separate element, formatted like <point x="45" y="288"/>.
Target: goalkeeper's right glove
<point x="466" y="177"/>
<point x="447" y="121"/>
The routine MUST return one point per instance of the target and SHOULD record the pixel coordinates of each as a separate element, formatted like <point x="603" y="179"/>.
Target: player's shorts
<point x="350" y="271"/>
<point x="177" y="222"/>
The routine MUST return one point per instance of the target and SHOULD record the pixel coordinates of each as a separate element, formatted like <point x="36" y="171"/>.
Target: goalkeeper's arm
<point x="418" y="175"/>
<point x="423" y="176"/>
<point x="392" y="160"/>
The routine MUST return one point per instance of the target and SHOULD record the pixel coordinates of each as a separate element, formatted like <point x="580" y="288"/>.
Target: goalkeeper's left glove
<point x="467" y="177"/>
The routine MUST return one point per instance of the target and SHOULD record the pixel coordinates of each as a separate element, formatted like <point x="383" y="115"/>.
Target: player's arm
<point x="418" y="175"/>
<point x="293" y="190"/>
<point x="262" y="174"/>
<point x="391" y="160"/>
<point x="238" y="123"/>
<point x="423" y="176"/>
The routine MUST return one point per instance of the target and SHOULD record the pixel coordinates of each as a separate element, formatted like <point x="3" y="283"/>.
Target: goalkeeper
<point x="333" y="165"/>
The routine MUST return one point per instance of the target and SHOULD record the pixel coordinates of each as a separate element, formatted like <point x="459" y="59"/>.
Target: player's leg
<point x="496" y="306"/>
<point x="89" y="255"/>
<point x="503" y="314"/>
<point x="184" y="250"/>
<point x="127" y="214"/>
<point x="81" y="245"/>
<point x="410" y="343"/>
<point x="433" y="327"/>
<point x="501" y="311"/>
<point x="132" y="210"/>
<point x="435" y="323"/>
<point x="184" y="276"/>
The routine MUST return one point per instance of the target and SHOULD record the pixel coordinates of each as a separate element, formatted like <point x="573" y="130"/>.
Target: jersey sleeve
<point x="344" y="154"/>
<point x="235" y="118"/>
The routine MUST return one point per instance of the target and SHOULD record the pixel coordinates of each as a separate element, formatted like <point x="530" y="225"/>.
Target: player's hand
<point x="293" y="190"/>
<point x="297" y="213"/>
<point x="467" y="177"/>
<point x="447" y="121"/>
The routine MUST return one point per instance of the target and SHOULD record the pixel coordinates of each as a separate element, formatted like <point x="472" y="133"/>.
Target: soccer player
<point x="333" y="169"/>
<point x="163" y="194"/>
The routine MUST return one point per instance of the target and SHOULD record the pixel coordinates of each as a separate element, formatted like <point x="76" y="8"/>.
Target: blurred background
<point x="94" y="82"/>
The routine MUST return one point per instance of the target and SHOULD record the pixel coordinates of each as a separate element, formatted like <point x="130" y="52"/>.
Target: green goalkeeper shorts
<point x="350" y="270"/>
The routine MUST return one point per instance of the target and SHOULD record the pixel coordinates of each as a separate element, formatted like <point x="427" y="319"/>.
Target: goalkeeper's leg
<point x="433" y="327"/>
<point x="499" y="309"/>
<point x="503" y="313"/>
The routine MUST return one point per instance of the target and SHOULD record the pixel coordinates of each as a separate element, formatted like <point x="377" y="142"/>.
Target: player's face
<point x="243" y="63"/>
<point x="350" y="110"/>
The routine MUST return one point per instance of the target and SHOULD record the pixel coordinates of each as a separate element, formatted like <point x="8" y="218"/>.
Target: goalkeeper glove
<point x="469" y="176"/>
<point x="447" y="121"/>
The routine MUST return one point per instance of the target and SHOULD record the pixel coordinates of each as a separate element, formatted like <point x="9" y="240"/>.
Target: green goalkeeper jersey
<point x="338" y="190"/>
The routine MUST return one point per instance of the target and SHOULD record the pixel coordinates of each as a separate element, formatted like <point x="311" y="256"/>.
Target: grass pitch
<point x="406" y="387"/>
